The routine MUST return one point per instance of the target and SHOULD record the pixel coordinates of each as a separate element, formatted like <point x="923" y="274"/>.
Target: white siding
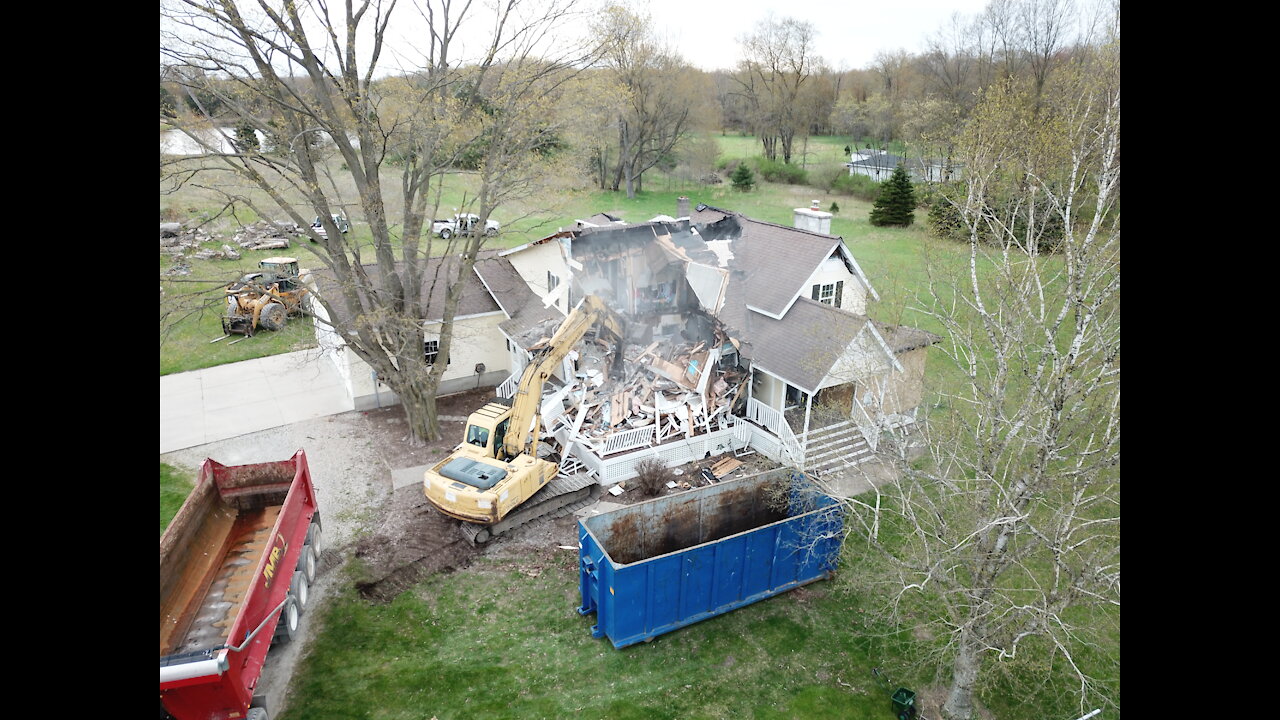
<point x="534" y="262"/>
<point x="853" y="296"/>
<point x="862" y="359"/>
<point x="476" y="339"/>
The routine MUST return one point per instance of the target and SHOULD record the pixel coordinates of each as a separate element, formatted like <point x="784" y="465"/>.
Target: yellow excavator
<point x="497" y="468"/>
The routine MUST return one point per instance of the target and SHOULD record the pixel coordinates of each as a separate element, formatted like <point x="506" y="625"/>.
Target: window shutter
<point x="817" y="293"/>
<point x="839" y="291"/>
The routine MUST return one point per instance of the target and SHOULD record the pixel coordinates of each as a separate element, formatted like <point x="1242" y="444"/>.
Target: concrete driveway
<point x="204" y="406"/>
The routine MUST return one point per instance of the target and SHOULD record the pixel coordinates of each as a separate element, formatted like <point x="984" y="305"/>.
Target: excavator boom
<point x="496" y="469"/>
<point x="528" y="397"/>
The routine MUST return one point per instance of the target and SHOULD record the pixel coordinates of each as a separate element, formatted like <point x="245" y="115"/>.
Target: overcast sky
<point x="850" y="32"/>
<point x="707" y="33"/>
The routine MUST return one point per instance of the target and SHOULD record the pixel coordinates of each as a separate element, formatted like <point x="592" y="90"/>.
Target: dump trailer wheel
<point x="307" y="563"/>
<point x="287" y="625"/>
<point x="257" y="713"/>
<point x="301" y="589"/>
<point x="273" y="316"/>
<point x="315" y="537"/>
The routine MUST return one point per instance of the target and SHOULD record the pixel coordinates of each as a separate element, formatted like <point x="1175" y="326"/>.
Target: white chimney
<point x="813" y="219"/>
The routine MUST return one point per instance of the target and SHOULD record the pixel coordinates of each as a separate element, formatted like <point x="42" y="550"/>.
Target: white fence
<point x="772" y="419"/>
<point x="612" y="470"/>
<point x="767" y="434"/>
<point x="626" y="440"/>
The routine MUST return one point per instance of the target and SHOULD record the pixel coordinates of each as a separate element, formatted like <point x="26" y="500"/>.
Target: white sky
<point x="850" y="32"/>
<point x="707" y="32"/>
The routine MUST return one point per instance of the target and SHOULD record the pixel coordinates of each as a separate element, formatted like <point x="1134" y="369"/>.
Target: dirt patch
<point x="390" y="431"/>
<point x="413" y="541"/>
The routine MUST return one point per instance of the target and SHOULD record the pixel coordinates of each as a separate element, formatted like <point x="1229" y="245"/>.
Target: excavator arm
<point x="525" y="407"/>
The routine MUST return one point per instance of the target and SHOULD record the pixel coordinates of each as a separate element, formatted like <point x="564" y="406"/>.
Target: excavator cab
<point x="487" y="427"/>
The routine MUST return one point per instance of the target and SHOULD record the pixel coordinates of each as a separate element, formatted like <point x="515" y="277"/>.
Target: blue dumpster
<point x="659" y="565"/>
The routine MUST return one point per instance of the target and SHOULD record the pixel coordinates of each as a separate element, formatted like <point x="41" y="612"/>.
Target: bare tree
<point x="655" y="114"/>
<point x="310" y="77"/>
<point x="950" y="60"/>
<point x="779" y="59"/>
<point x="1046" y="25"/>
<point x="1007" y="533"/>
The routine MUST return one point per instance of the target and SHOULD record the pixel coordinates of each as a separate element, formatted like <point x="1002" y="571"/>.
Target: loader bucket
<point x="236" y="325"/>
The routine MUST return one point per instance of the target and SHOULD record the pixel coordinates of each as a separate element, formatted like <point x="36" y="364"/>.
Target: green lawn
<point x="175" y="485"/>
<point x="503" y="639"/>
<point x="494" y="642"/>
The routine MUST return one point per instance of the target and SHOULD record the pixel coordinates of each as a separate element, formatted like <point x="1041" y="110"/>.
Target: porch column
<point x="808" y="405"/>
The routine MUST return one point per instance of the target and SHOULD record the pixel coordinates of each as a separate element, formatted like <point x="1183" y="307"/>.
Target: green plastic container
<point x="904" y="704"/>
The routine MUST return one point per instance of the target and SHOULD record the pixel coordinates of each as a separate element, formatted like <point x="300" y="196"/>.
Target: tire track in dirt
<point x="413" y="541"/>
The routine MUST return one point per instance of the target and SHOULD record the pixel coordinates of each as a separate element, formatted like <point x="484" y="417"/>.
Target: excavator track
<point x="557" y="498"/>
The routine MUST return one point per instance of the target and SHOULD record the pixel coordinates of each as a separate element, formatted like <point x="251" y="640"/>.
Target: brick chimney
<point x="682" y="207"/>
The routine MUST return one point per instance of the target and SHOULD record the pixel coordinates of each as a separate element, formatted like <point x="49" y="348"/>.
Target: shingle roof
<point x="437" y="275"/>
<point x="773" y="261"/>
<point x="766" y="306"/>
<point x="803" y="346"/>
<point x="524" y="309"/>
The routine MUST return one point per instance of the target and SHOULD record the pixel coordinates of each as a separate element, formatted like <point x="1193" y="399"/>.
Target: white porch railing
<point x="870" y="429"/>
<point x="628" y="440"/>
<point x="772" y="419"/>
<point x="507" y="389"/>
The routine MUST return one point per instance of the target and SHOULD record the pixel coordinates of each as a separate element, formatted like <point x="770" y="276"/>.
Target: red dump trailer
<point x="236" y="565"/>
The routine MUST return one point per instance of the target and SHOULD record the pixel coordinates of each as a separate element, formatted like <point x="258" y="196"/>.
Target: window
<point x="432" y="349"/>
<point x="478" y="436"/>
<point x="829" y="294"/>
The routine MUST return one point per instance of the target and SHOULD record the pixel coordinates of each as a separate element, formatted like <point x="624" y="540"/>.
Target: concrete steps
<point x="836" y="446"/>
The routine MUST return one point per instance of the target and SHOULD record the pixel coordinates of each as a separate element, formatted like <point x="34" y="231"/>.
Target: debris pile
<point x="177" y="240"/>
<point x="264" y="235"/>
<point x="667" y="390"/>
<point x="261" y="235"/>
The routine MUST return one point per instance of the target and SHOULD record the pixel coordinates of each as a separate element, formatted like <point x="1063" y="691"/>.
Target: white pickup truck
<point x="463" y="224"/>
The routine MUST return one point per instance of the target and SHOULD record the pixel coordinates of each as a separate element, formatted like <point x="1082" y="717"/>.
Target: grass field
<point x="503" y="639"/>
<point x="174" y="488"/>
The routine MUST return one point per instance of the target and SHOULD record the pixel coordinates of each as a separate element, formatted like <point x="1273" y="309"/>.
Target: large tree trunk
<point x="420" y="412"/>
<point x="959" y="705"/>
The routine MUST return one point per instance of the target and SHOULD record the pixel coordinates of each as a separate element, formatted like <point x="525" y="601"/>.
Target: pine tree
<point x="897" y="202"/>
<point x="743" y="179"/>
<point x="246" y="139"/>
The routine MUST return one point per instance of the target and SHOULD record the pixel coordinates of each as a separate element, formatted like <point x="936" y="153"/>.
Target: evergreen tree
<point x="897" y="202"/>
<point x="246" y="139"/>
<point x="743" y="179"/>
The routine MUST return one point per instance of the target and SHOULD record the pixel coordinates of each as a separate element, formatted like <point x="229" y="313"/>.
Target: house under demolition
<point x="738" y="334"/>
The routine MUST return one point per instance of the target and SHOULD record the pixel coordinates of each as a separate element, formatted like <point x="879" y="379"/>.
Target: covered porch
<point x="819" y="428"/>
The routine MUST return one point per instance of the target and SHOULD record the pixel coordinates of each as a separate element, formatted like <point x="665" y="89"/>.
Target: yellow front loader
<point x="265" y="298"/>
<point x="496" y="469"/>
